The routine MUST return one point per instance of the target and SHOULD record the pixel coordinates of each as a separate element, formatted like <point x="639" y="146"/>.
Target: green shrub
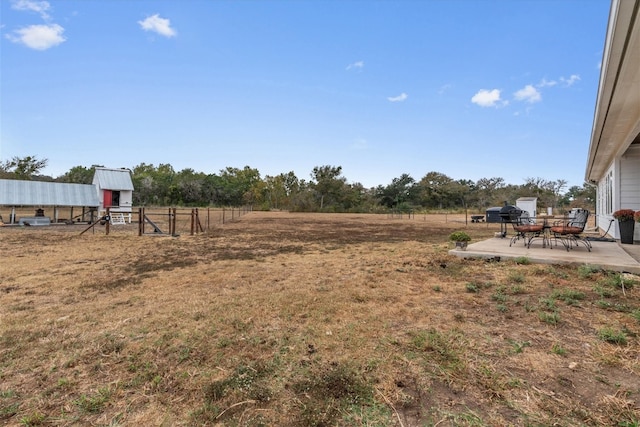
<point x="459" y="236"/>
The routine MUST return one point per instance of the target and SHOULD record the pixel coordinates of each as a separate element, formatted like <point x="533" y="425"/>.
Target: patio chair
<point x="569" y="231"/>
<point x="525" y="228"/>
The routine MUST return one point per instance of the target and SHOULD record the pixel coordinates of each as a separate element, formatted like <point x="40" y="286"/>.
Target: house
<point x="115" y="190"/>
<point x="613" y="162"/>
<point x="46" y="197"/>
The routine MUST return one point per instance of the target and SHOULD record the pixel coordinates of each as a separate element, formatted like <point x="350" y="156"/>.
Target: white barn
<point x="613" y="163"/>
<point x="115" y="190"/>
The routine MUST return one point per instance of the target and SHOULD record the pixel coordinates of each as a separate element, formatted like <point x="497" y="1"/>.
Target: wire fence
<point x="175" y="221"/>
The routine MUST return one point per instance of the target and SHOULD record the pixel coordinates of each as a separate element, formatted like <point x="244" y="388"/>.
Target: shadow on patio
<point x="608" y="255"/>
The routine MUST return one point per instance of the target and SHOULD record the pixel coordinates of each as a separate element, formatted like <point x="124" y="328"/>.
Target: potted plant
<point x="626" y="224"/>
<point x="461" y="239"/>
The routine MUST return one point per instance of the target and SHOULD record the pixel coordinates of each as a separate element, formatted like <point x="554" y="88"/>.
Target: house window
<point x="608" y="191"/>
<point x="115" y="198"/>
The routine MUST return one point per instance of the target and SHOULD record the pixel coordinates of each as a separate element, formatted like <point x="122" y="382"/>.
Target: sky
<point x="468" y="88"/>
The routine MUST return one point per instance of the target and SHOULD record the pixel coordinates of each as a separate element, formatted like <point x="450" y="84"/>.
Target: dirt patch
<point x="306" y="319"/>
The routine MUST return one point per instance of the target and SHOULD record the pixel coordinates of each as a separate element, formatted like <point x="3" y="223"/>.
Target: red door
<point x="106" y="200"/>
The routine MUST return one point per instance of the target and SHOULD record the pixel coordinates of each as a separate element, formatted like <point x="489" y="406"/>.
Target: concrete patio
<point x="608" y="255"/>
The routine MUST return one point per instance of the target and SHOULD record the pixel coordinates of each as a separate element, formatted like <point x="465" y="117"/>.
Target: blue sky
<point x="471" y="89"/>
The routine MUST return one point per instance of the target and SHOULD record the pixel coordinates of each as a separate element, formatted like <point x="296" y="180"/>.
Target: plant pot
<point x="461" y="246"/>
<point x="626" y="231"/>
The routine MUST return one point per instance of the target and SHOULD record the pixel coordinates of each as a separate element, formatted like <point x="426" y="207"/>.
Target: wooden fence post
<point x="108" y="221"/>
<point x="140" y="221"/>
<point x="198" y="223"/>
<point x="174" y="221"/>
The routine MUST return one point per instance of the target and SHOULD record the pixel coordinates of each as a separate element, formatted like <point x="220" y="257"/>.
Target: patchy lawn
<point x="308" y="320"/>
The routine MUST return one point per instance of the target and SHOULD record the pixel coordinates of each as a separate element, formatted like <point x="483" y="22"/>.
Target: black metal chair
<point x="569" y="231"/>
<point x="525" y="228"/>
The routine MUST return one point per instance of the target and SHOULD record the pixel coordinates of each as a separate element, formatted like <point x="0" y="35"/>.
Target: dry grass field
<point x="281" y="319"/>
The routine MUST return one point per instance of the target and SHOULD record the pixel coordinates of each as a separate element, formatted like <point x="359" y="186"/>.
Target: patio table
<point x="546" y="230"/>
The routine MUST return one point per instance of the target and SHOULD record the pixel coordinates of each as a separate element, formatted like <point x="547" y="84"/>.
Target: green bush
<point x="459" y="236"/>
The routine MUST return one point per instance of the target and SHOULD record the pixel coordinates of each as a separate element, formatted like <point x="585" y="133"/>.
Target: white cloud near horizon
<point x="402" y="97"/>
<point x="528" y="94"/>
<point x="487" y="98"/>
<point x="158" y="25"/>
<point x="358" y="65"/>
<point x="40" y="7"/>
<point x="38" y="37"/>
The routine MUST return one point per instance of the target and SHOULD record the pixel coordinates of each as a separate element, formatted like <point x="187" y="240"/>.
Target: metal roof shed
<point x="14" y="193"/>
<point x="38" y="193"/>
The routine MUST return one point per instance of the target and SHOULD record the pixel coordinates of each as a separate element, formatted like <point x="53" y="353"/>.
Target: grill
<point x="508" y="214"/>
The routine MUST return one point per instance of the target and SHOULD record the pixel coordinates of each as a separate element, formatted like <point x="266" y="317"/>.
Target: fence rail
<point x="173" y="221"/>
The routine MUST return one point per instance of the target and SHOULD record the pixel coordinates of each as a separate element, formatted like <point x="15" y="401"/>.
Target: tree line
<point x="325" y="190"/>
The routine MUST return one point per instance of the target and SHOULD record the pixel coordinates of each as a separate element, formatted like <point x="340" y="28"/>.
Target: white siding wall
<point x="630" y="183"/>
<point x="619" y="189"/>
<point x="126" y="201"/>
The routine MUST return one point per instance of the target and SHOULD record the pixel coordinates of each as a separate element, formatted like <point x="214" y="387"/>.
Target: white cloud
<point x="487" y="98"/>
<point x="40" y="7"/>
<point x="358" y="65"/>
<point x="529" y="94"/>
<point x="158" y="25"/>
<point x="547" y="83"/>
<point x="571" y="80"/>
<point x="402" y="97"/>
<point x="38" y="37"/>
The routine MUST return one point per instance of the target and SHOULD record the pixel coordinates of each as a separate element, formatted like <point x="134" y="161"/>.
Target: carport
<point x="42" y="196"/>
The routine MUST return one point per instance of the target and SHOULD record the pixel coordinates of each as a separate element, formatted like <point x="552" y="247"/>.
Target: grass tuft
<point x="612" y="336"/>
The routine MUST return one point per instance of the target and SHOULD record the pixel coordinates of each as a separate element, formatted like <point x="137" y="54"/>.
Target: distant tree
<point x="548" y="192"/>
<point x="154" y="185"/>
<point x="5" y="173"/>
<point x="142" y="177"/>
<point x="487" y="192"/>
<point x="434" y="190"/>
<point x="401" y="191"/>
<point x="238" y="185"/>
<point x="461" y="192"/>
<point x="557" y="187"/>
<point x="24" y="167"/>
<point x="275" y="192"/>
<point x="189" y="184"/>
<point x="327" y="190"/>
<point x="303" y="199"/>
<point x="328" y="183"/>
<point x="580" y="197"/>
<point x="79" y="175"/>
